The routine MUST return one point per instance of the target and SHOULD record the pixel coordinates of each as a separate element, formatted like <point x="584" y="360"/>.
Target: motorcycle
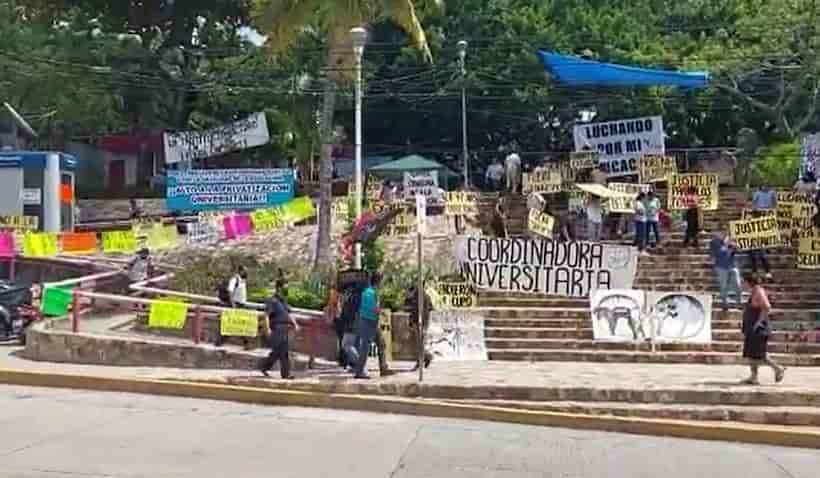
<point x="17" y="312"/>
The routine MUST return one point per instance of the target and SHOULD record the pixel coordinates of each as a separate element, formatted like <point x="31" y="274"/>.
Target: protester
<point x="640" y="222"/>
<point x="276" y="329"/>
<point x="233" y="294"/>
<point x="135" y="209"/>
<point x="535" y="201"/>
<point x="595" y="218"/>
<point x="764" y="201"/>
<point x="494" y="174"/>
<point x="653" y="209"/>
<point x="756" y="332"/>
<point x="140" y="268"/>
<point x="513" y="172"/>
<point x="722" y="250"/>
<point x="498" y="222"/>
<point x="807" y="184"/>
<point x="367" y="323"/>
<point x="412" y="301"/>
<point x="693" y="220"/>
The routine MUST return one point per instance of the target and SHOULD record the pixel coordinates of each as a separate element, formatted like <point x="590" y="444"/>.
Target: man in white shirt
<point x="238" y="287"/>
<point x="494" y="174"/>
<point x="513" y="166"/>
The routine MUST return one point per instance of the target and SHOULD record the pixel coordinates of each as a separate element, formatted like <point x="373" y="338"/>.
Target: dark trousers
<point x="640" y="235"/>
<point x="692" y="228"/>
<point x="652" y="226"/>
<point x="279" y="351"/>
<point x="759" y="257"/>
<point x="368" y="330"/>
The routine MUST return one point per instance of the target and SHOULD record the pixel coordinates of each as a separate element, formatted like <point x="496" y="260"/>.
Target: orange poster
<point x="66" y="194"/>
<point x="79" y="242"/>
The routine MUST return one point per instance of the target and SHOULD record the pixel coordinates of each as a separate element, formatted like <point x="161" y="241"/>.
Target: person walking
<point x="640" y="223"/>
<point x="141" y="267"/>
<point x="276" y="329"/>
<point x="722" y="250"/>
<point x="367" y="324"/>
<point x="756" y="332"/>
<point x="653" y="210"/>
<point x="234" y="294"/>
<point x="595" y="218"/>
<point x="693" y="220"/>
<point x="513" y="172"/>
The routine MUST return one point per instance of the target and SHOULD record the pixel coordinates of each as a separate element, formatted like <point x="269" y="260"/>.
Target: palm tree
<point x="284" y="20"/>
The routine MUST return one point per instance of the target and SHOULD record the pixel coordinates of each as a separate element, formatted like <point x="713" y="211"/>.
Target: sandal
<point x="780" y="375"/>
<point x="750" y="381"/>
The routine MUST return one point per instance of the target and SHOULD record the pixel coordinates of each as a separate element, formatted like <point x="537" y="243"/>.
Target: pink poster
<point x="7" y="244"/>
<point x="237" y="225"/>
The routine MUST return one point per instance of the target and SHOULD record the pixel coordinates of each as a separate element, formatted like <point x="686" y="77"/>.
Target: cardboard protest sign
<point x="545" y="266"/>
<point x="452" y="295"/>
<point x="265" y="220"/>
<point x="653" y="169"/>
<point x="706" y="188"/>
<point x="563" y="168"/>
<point x="802" y="216"/>
<point x="541" y="181"/>
<point x="404" y="223"/>
<point x="424" y="184"/>
<point x="540" y="223"/>
<point x="621" y="143"/>
<point x="461" y="203"/>
<point x="577" y="199"/>
<point x="56" y="301"/>
<point x="758" y="233"/>
<point x="40" y="244"/>
<point x="19" y="223"/>
<point x="79" y="242"/>
<point x="239" y="323"/>
<point x="119" y="242"/>
<point x="624" y="202"/>
<point x="808" y="250"/>
<point x="597" y="190"/>
<point x="203" y="233"/>
<point x="7" y="244"/>
<point x="752" y="214"/>
<point x="167" y="315"/>
<point x="583" y="160"/>
<point x="373" y="189"/>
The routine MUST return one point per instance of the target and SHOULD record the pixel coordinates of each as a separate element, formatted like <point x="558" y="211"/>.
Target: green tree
<point x="285" y="20"/>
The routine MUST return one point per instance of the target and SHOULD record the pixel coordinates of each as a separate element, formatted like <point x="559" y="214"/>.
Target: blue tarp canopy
<point x="575" y="71"/>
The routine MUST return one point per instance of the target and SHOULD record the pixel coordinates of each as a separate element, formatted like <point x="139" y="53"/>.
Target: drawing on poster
<point x="635" y="315"/>
<point x="456" y="335"/>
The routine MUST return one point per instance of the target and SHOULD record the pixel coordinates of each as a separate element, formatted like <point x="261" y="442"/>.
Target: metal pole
<point x="462" y="53"/>
<point x="358" y="263"/>
<point x="420" y="311"/>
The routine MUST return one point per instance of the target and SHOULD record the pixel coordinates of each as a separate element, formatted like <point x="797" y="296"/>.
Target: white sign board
<point x="421" y="214"/>
<point x="425" y="184"/>
<point x="621" y="143"/>
<point x="186" y="146"/>
<point x="810" y="154"/>
<point x="456" y="335"/>
<point x="32" y="196"/>
<point x="635" y="315"/>
<point x="545" y="266"/>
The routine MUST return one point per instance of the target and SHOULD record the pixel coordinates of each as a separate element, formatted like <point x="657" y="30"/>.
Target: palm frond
<point x="283" y="20"/>
<point x="403" y="13"/>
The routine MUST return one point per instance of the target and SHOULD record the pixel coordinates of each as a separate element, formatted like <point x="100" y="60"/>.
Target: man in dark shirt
<point x="419" y="313"/>
<point x="277" y="330"/>
<point x="722" y="250"/>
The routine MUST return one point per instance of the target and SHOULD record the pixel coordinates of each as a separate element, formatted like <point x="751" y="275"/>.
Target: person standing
<point x="722" y="250"/>
<point x="494" y="174"/>
<point x="419" y="313"/>
<point x="692" y="203"/>
<point x="233" y="295"/>
<point x="276" y="330"/>
<point x="595" y="218"/>
<point x="756" y="332"/>
<point x="368" y="323"/>
<point x="764" y="201"/>
<point x="653" y="210"/>
<point x="140" y="268"/>
<point x="513" y="171"/>
<point x="640" y="222"/>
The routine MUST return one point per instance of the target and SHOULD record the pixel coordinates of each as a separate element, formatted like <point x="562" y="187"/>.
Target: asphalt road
<point x="73" y="434"/>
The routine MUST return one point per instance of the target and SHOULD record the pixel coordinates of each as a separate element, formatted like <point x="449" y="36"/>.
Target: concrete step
<point x="771" y="415"/>
<point x="801" y="348"/>
<point x="789" y="340"/>
<point x="721" y="358"/>
<point x="579" y="323"/>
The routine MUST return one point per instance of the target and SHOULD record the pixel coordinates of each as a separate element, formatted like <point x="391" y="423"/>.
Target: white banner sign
<point x="810" y="154"/>
<point x="425" y="184"/>
<point x="545" y="266"/>
<point x="186" y="146"/>
<point x="636" y="315"/>
<point x="456" y="335"/>
<point x="621" y="143"/>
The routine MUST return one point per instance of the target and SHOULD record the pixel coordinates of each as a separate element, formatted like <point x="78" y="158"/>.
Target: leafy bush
<point x="204" y="273"/>
<point x="776" y="165"/>
<point x="397" y="280"/>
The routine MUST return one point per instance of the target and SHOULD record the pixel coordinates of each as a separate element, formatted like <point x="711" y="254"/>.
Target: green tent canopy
<point x="394" y="170"/>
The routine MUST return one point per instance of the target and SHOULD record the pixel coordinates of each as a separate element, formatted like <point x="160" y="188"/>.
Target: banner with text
<point x="461" y="203"/>
<point x="541" y="181"/>
<point x="186" y="146"/>
<point x="541" y="223"/>
<point x="653" y="169"/>
<point x="624" y="202"/>
<point x="759" y="233"/>
<point x="425" y="184"/>
<point x="228" y="189"/>
<point x="621" y="143"/>
<point x="545" y="266"/>
<point x="705" y="186"/>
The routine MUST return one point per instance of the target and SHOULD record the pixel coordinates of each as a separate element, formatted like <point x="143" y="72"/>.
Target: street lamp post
<point x="358" y="37"/>
<point x="462" y="54"/>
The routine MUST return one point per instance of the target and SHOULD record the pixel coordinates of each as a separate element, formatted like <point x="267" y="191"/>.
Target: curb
<point x="741" y="433"/>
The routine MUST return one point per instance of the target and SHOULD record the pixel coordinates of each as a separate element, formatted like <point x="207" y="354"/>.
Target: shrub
<point x="204" y="273"/>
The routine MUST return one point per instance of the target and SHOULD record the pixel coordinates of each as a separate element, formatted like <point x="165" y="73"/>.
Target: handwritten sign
<point x="452" y="295"/>
<point x="563" y="168"/>
<point x="298" y="210"/>
<point x="201" y="233"/>
<point x="7" y="245"/>
<point x="79" y="242"/>
<point x="754" y="234"/>
<point x="541" y="181"/>
<point x="40" y="244"/>
<point x="340" y="208"/>
<point x="265" y="220"/>
<point x="237" y="225"/>
<point x="19" y="223"/>
<point x="583" y="160"/>
<point x="239" y="323"/>
<point x="56" y="301"/>
<point x="540" y="223"/>
<point x="167" y="315"/>
<point x="461" y="203"/>
<point x="119" y="242"/>
<point x="808" y="250"/>
<point x="705" y="186"/>
<point x="373" y="191"/>
<point x="653" y="169"/>
<point x="404" y="223"/>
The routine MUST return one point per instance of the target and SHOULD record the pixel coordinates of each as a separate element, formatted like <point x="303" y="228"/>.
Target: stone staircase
<point x="552" y="328"/>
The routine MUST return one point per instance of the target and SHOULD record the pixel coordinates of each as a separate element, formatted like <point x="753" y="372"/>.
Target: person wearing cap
<point x="140" y="268"/>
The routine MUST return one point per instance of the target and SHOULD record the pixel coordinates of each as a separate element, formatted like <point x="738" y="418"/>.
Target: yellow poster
<point x="802" y="216"/>
<point x="624" y="201"/>
<point x="540" y="223"/>
<point x="598" y="190"/>
<point x="162" y="237"/>
<point x="547" y="182"/>
<point x="239" y="323"/>
<point x="265" y="220"/>
<point x="167" y="315"/>
<point x="404" y="223"/>
<point x="653" y="169"/>
<point x="386" y="327"/>
<point x="37" y="244"/>
<point x="705" y="186"/>
<point x="759" y="233"/>
<point x="577" y="199"/>
<point x="752" y="214"/>
<point x="340" y="209"/>
<point x="452" y="295"/>
<point x="119" y="242"/>
<point x="19" y="223"/>
<point x="808" y="250"/>
<point x="563" y="168"/>
<point x="583" y="160"/>
<point x="461" y="203"/>
<point x="373" y="191"/>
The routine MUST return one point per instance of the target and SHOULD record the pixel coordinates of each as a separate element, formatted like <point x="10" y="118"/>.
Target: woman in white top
<point x="640" y="222"/>
<point x="595" y="218"/>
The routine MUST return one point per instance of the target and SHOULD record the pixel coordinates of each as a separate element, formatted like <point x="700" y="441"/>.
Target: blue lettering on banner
<point x="228" y="189"/>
